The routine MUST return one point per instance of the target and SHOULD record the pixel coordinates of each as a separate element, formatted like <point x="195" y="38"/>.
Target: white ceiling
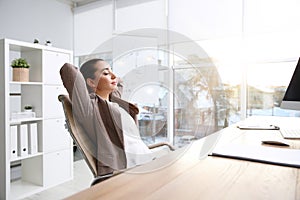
<point x="77" y="3"/>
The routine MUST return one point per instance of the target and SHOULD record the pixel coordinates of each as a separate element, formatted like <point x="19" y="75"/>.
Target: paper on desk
<point x="272" y="155"/>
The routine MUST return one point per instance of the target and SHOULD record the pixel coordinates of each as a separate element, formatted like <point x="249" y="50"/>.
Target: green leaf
<point x="20" y="63"/>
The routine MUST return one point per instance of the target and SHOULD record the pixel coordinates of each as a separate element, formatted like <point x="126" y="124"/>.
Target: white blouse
<point x="136" y="150"/>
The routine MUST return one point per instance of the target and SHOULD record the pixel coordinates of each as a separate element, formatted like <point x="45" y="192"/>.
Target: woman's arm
<point x="76" y="87"/>
<point x="68" y="74"/>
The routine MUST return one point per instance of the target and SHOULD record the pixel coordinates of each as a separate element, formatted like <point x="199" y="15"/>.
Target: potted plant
<point x="20" y="70"/>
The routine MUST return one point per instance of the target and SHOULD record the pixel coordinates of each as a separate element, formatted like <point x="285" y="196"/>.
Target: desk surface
<point x="188" y="173"/>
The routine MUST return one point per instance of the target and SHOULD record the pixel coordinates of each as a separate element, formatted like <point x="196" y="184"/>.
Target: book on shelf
<point x="22" y="140"/>
<point x="13" y="141"/>
<point x="32" y="138"/>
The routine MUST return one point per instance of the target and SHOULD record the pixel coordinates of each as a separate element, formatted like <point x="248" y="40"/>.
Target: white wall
<point x="93" y="25"/>
<point x="202" y="19"/>
<point x="139" y="15"/>
<point x="43" y="19"/>
<point x="96" y="23"/>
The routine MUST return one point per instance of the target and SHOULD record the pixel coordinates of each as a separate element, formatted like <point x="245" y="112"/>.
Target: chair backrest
<point x="83" y="143"/>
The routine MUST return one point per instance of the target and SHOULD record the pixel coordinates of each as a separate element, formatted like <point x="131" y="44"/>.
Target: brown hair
<point x="88" y="70"/>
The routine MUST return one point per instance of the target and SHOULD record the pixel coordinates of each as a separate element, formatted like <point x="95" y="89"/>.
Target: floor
<point x="82" y="180"/>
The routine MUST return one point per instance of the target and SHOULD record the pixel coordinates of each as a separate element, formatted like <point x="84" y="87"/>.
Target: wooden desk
<point x="184" y="175"/>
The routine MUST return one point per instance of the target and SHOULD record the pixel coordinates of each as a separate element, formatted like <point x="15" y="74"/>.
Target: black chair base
<point x="99" y="179"/>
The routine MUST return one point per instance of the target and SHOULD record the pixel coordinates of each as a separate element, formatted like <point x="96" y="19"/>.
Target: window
<point x="267" y="83"/>
<point x="180" y="99"/>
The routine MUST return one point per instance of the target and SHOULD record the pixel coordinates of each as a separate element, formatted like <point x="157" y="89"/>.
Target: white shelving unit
<point x="52" y="164"/>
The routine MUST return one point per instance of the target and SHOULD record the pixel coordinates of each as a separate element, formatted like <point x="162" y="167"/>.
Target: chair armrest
<point x="152" y="146"/>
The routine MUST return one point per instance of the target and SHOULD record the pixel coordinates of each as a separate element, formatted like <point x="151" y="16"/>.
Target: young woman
<point x="108" y="120"/>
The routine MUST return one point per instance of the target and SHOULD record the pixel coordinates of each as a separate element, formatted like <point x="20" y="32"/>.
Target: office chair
<point x="84" y="144"/>
<point x="81" y="141"/>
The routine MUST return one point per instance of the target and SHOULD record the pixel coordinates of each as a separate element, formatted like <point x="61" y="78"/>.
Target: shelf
<point x="20" y="130"/>
<point x="19" y="121"/>
<point x="25" y="157"/>
<point x="15" y="45"/>
<point x="21" y="189"/>
<point x="21" y="46"/>
<point x="25" y="83"/>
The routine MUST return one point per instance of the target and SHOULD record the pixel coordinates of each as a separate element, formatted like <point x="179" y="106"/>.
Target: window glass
<point x="201" y="104"/>
<point x="178" y="99"/>
<point x="267" y="83"/>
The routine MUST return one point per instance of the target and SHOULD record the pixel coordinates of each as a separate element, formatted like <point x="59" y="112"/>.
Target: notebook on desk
<point x="271" y="155"/>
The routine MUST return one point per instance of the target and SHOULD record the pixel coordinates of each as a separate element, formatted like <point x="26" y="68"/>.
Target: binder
<point x="32" y="138"/>
<point x="22" y="140"/>
<point x="13" y="141"/>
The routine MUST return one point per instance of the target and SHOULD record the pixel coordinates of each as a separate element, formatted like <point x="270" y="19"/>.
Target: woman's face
<point x="105" y="80"/>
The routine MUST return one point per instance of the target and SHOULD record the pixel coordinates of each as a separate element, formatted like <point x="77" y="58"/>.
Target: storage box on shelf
<point x="37" y="140"/>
